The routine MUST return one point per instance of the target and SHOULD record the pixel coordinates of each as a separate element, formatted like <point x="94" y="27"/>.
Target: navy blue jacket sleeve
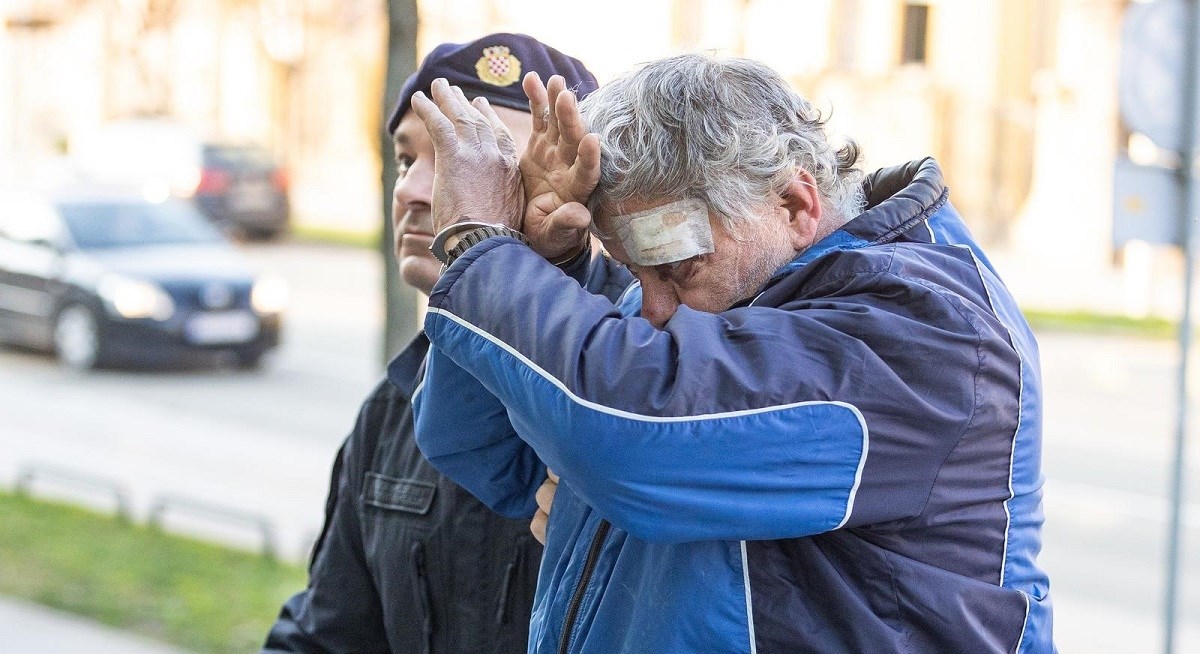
<point x="751" y="424"/>
<point x="464" y="406"/>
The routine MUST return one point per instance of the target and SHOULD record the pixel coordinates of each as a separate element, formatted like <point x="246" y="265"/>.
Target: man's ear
<point x="802" y="202"/>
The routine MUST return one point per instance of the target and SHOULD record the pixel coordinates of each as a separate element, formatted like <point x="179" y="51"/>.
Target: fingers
<point x="468" y="122"/>
<point x="537" y="526"/>
<point x="560" y="233"/>
<point x="446" y="99"/>
<point x="555" y="114"/>
<point x="504" y="138"/>
<point x="570" y="125"/>
<point x="441" y="129"/>
<point x="587" y="165"/>
<point x="545" y="499"/>
<point x="554" y="88"/>
<point x="545" y="495"/>
<point x="570" y="219"/>
<point x="539" y="102"/>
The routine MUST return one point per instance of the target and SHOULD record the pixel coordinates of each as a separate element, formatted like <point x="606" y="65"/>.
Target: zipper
<point x="506" y="588"/>
<point x="421" y="585"/>
<point x="589" y="566"/>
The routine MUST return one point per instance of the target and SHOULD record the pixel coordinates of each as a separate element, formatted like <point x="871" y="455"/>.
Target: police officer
<point x="408" y="561"/>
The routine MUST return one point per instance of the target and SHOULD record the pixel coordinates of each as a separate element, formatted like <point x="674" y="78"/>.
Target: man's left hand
<point x="560" y="168"/>
<point x="545" y="500"/>
<point x="476" y="174"/>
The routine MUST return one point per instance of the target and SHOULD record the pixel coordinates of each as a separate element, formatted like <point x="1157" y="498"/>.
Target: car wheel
<point x="77" y="338"/>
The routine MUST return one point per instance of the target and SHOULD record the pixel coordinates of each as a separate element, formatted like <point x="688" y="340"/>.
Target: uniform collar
<point x="404" y="371"/>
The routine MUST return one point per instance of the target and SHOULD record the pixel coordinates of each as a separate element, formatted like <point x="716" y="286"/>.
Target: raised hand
<point x="560" y="169"/>
<point x="476" y="174"/>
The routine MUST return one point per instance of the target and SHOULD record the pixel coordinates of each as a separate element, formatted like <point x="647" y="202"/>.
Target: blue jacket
<point x="848" y="462"/>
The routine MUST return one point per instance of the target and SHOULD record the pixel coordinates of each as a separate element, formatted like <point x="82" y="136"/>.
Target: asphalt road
<point x="1109" y="432"/>
<point x="262" y="442"/>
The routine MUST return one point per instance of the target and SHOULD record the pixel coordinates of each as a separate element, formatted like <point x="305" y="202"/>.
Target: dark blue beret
<point x="493" y="67"/>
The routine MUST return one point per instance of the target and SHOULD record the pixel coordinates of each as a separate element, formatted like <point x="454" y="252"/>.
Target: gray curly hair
<point x="729" y="132"/>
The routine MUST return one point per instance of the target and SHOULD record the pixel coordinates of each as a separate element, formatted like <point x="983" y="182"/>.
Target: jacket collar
<point x="405" y="371"/>
<point x="899" y="199"/>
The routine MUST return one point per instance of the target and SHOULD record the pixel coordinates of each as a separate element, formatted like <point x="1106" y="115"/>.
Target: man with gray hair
<point x="818" y="430"/>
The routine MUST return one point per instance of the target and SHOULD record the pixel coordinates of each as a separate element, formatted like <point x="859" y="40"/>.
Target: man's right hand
<point x="560" y="168"/>
<point x="476" y="175"/>
<point x="545" y="499"/>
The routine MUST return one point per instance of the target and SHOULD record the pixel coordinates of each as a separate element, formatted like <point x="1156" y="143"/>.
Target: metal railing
<point x="227" y="514"/>
<point x="160" y="506"/>
<point x="27" y="474"/>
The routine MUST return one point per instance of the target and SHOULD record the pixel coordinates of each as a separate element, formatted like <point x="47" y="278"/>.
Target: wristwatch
<point x="463" y="235"/>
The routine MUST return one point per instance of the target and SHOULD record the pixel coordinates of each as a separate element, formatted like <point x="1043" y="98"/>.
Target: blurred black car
<point x="240" y="187"/>
<point x="107" y="278"/>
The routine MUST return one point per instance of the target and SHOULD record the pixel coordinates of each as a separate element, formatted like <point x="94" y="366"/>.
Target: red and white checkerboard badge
<point x="498" y="67"/>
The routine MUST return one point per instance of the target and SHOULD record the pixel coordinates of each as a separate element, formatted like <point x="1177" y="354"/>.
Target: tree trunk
<point x="400" y="317"/>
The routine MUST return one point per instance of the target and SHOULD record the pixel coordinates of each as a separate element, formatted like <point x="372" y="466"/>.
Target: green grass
<point x="312" y="234"/>
<point x="197" y="595"/>
<point x="1098" y="323"/>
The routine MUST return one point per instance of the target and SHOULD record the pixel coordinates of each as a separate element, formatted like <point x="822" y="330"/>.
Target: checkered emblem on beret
<point x="494" y="75"/>
<point x="498" y="66"/>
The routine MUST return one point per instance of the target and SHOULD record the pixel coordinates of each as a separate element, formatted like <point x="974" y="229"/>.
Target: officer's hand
<point x="545" y="498"/>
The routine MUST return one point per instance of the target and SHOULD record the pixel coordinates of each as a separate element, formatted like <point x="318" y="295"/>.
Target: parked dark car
<point x="105" y="278"/>
<point x="241" y="187"/>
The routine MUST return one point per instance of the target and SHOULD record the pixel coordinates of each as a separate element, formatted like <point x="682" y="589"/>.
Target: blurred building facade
<point x="300" y="77"/>
<point x="1016" y="98"/>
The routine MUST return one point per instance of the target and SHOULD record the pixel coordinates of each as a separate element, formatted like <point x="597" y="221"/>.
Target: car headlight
<point x="135" y="298"/>
<point x="269" y="295"/>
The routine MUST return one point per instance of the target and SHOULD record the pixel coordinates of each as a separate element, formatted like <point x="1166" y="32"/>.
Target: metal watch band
<point x="469" y="233"/>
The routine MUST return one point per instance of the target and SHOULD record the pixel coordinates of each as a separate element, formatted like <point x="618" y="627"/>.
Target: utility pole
<point x="1187" y="181"/>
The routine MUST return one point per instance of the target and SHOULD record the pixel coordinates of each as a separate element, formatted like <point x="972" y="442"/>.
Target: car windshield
<point x="233" y="156"/>
<point x="128" y="223"/>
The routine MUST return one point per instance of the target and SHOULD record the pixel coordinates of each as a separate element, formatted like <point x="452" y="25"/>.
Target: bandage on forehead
<point x="667" y="234"/>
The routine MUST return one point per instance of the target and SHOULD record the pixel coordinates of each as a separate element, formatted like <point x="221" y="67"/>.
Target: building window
<point x="916" y="33"/>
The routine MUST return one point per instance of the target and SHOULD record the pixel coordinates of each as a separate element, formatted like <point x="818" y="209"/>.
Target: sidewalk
<point x="29" y="629"/>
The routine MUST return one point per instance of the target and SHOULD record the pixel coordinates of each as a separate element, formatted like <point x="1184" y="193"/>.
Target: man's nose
<point x="415" y="188"/>
<point x="659" y="301"/>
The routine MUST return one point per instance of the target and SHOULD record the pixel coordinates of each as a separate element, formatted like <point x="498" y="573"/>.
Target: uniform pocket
<point x="410" y="495"/>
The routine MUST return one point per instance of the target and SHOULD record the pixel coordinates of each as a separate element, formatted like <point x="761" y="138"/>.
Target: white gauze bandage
<point x="667" y="234"/>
